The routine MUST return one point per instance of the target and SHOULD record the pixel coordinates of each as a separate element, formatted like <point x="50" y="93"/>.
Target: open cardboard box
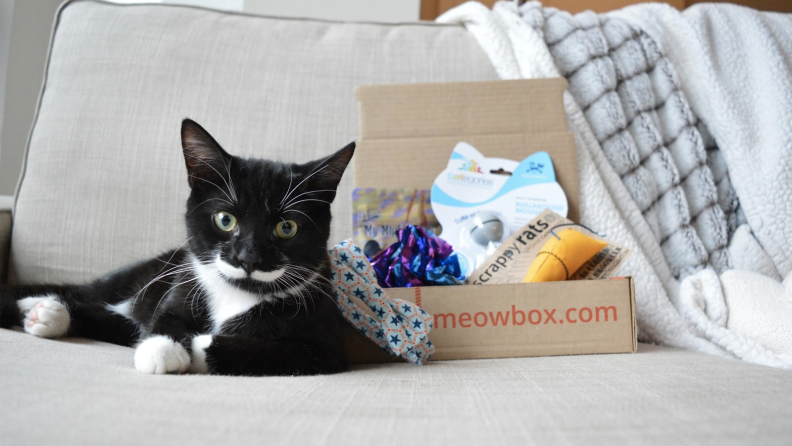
<point x="407" y="133"/>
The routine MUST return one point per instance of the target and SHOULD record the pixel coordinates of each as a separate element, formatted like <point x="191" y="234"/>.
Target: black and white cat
<point x="246" y="294"/>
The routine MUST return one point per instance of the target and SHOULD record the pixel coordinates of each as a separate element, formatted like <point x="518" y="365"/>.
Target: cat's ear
<point x="204" y="157"/>
<point x="327" y="172"/>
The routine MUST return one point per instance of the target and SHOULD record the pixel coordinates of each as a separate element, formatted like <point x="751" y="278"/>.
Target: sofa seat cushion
<point x="79" y="392"/>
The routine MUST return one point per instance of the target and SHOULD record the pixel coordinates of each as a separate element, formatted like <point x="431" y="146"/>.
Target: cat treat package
<point x="378" y="214"/>
<point x="480" y="201"/>
<point x="550" y="248"/>
<point x="497" y="158"/>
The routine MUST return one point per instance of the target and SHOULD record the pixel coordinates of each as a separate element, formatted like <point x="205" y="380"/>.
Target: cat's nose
<point x="248" y="261"/>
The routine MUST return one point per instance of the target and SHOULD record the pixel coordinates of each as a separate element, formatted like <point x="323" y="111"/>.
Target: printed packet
<point x="512" y="259"/>
<point x="377" y="214"/>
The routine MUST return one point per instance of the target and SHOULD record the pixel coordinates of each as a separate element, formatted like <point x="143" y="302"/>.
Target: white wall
<point x="348" y="10"/>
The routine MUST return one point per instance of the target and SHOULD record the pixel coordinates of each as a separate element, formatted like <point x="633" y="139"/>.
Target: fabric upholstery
<point x="87" y="393"/>
<point x="104" y="183"/>
<point x="5" y="242"/>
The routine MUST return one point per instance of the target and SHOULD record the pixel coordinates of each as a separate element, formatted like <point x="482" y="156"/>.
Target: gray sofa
<point x="103" y="185"/>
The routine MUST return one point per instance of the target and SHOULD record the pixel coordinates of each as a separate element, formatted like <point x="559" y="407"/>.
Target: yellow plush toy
<point x="562" y="255"/>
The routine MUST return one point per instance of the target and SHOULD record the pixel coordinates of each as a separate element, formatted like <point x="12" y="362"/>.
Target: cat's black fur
<point x="294" y="330"/>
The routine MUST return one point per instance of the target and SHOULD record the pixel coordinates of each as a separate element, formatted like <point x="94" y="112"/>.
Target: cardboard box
<point x="407" y="133"/>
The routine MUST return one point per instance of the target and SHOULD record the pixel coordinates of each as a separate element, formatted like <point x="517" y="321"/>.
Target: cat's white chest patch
<point x="225" y="301"/>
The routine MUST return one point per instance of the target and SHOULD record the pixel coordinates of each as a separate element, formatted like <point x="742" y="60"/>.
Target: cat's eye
<point x="225" y="221"/>
<point x="286" y="229"/>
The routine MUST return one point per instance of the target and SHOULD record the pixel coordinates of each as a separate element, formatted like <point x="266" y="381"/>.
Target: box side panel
<point x="543" y="319"/>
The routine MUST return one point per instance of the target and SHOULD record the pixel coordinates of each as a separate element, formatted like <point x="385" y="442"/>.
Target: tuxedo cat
<point x="246" y="294"/>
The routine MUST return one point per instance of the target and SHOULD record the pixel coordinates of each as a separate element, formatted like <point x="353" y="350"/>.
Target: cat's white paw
<point x="45" y="316"/>
<point x="160" y="355"/>
<point x="199" y="346"/>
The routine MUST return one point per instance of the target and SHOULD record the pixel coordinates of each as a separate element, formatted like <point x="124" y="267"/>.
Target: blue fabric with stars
<point x="399" y="327"/>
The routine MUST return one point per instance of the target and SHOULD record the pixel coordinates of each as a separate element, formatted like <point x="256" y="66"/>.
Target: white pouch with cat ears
<point x="480" y="201"/>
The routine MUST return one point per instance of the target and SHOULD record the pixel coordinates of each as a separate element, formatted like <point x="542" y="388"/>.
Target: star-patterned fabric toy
<point x="398" y="327"/>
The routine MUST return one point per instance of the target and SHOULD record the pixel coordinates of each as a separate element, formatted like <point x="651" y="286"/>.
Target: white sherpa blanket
<point x="656" y="173"/>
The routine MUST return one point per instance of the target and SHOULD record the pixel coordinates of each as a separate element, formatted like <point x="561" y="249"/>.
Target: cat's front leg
<point x="160" y="354"/>
<point x="239" y="355"/>
<point x="165" y="348"/>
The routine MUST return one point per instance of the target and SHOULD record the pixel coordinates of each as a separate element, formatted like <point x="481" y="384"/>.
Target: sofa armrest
<point x="5" y="241"/>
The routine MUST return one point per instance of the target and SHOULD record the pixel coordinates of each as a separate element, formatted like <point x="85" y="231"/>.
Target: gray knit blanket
<point x="630" y="95"/>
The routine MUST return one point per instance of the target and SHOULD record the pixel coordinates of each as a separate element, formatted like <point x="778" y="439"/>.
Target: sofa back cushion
<point x="104" y="182"/>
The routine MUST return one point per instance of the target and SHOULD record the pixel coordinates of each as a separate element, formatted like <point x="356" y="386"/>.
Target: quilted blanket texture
<point x="698" y="187"/>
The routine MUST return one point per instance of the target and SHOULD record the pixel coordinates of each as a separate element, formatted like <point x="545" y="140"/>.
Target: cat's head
<point x="260" y="225"/>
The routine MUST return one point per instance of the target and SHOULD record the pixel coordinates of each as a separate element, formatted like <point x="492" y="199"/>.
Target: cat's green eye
<point x="286" y="229"/>
<point x="225" y="221"/>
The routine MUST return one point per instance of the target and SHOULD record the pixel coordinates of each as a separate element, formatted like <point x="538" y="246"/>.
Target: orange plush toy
<point x="562" y="255"/>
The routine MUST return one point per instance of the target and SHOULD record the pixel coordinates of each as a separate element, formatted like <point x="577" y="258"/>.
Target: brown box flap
<point x="462" y="108"/>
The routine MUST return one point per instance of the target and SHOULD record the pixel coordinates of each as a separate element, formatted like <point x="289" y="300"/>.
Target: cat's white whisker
<point x="281" y="293"/>
<point x="177" y="250"/>
<point x="186" y="268"/>
<point x="308" y="281"/>
<point x="309" y="199"/>
<point x="166" y="294"/>
<point x="215" y="185"/>
<point x="305" y="293"/>
<point x="230" y="189"/>
<point x="206" y="201"/>
<point x="194" y="291"/>
<point x="170" y="272"/>
<point x="306" y="193"/>
<point x="306" y="216"/>
<point x="295" y="287"/>
<point x="305" y="179"/>
<point x="298" y="290"/>
<point x="231" y="180"/>
<point x="288" y="189"/>
<point x="313" y="276"/>
<point x="318" y="288"/>
<point x="292" y="288"/>
<point x="310" y="271"/>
